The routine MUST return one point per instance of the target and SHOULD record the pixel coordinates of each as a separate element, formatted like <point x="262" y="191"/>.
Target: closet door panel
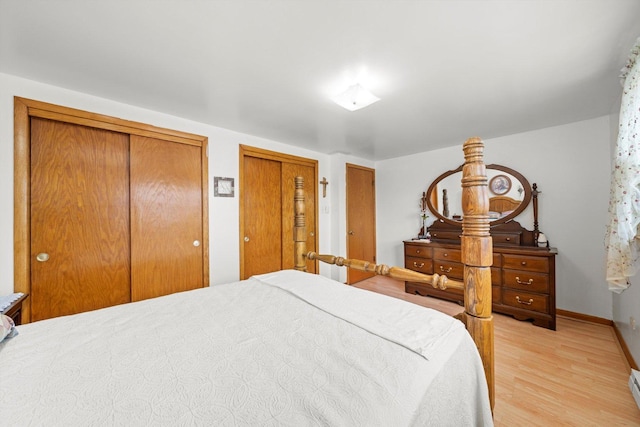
<point x="79" y="219"/>
<point x="289" y="172"/>
<point x="166" y="217"/>
<point x="262" y="240"/>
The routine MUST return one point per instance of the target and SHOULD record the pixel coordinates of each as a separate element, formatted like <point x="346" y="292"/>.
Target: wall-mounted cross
<point x="324" y="183"/>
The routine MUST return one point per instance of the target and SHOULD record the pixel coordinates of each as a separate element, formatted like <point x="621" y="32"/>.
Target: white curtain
<point x="624" y="197"/>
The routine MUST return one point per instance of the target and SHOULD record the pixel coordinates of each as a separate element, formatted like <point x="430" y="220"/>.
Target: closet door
<point x="289" y="172"/>
<point x="262" y="228"/>
<point x="166" y="217"/>
<point x="79" y="214"/>
<point x="266" y="209"/>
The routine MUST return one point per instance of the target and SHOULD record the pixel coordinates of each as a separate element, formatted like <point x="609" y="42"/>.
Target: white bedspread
<point x="282" y="349"/>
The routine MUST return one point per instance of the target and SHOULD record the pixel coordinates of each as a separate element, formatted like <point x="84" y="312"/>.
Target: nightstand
<point x="15" y="310"/>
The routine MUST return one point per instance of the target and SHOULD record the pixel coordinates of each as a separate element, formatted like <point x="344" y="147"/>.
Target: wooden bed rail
<point x="403" y="274"/>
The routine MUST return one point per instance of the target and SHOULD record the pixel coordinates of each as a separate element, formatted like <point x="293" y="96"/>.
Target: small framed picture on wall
<point x="223" y="187"/>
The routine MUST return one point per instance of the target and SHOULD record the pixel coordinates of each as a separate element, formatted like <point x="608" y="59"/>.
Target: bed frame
<point x="477" y="256"/>
<point x="503" y="204"/>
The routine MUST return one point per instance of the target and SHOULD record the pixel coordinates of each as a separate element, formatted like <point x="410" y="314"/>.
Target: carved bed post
<point x="299" y="226"/>
<point x="477" y="256"/>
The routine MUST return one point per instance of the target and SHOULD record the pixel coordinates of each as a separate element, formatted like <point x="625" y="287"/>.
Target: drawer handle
<point x="524" y="302"/>
<point x="523" y="283"/>
<point x="446" y="254"/>
<point x="415" y="264"/>
<point x="417" y="251"/>
<point x="508" y="239"/>
<point x="448" y="270"/>
<point x="524" y="263"/>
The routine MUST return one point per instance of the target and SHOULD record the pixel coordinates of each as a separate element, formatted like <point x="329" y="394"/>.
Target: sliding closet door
<point x="166" y="217"/>
<point x="289" y="172"/>
<point x="79" y="219"/>
<point x="266" y="209"/>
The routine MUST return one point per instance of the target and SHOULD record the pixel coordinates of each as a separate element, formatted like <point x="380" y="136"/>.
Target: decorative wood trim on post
<point x="299" y="226"/>
<point x="477" y="256"/>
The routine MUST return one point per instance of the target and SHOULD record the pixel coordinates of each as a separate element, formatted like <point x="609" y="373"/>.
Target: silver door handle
<point x="246" y="238"/>
<point x="196" y="243"/>
<point x="351" y="232"/>
<point x="42" y="257"/>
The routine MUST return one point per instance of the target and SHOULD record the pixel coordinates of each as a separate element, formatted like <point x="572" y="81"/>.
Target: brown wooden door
<point x="262" y="208"/>
<point x="289" y="172"/>
<point x="361" y="218"/>
<point x="166" y="217"/>
<point x="266" y="209"/>
<point x="79" y="219"/>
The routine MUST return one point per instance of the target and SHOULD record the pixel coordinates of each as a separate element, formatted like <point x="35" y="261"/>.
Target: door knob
<point x="42" y="257"/>
<point x="312" y="234"/>
<point x="246" y="238"/>
<point x="196" y="243"/>
<point x="351" y="232"/>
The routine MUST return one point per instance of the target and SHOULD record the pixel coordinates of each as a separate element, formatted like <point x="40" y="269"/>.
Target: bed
<point x="500" y="206"/>
<point x="283" y="348"/>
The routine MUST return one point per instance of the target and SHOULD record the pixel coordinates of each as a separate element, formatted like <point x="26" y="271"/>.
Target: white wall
<point x="223" y="161"/>
<point x="571" y="166"/>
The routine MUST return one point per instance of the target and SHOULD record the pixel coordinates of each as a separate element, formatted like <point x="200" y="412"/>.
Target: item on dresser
<point x="7" y="327"/>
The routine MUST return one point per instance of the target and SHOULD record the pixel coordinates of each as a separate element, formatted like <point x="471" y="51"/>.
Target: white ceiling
<point x="445" y="70"/>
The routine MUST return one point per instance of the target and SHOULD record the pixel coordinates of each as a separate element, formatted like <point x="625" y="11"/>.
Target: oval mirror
<point x="509" y="195"/>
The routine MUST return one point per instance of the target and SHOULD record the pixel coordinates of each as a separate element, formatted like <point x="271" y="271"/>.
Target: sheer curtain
<point x="624" y="197"/>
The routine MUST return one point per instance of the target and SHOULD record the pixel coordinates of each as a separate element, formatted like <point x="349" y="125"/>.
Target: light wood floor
<point x="574" y="376"/>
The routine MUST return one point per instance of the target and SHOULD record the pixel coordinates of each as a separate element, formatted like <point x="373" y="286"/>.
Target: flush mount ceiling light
<point x="355" y="98"/>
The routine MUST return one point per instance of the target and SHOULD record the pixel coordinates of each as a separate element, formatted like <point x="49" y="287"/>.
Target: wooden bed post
<point x="476" y="252"/>
<point x="477" y="256"/>
<point x="299" y="226"/>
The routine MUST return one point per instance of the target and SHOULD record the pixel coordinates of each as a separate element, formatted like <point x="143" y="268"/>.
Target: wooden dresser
<point x="523" y="277"/>
<point x="523" y="273"/>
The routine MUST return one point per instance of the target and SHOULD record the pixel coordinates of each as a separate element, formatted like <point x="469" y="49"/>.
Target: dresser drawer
<point x="525" y="300"/>
<point x="417" y="251"/>
<point x="446" y="235"/>
<point x="523" y="262"/>
<point x="422" y="265"/>
<point x="506" y="239"/>
<point x="452" y="255"/>
<point x="452" y="270"/>
<point x="533" y="282"/>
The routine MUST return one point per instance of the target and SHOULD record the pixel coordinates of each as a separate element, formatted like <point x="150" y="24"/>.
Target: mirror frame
<point x="525" y="200"/>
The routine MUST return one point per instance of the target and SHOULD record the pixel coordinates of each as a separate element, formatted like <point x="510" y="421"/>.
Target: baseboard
<point x="624" y="348"/>
<point x="601" y="321"/>
<point x="584" y="317"/>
